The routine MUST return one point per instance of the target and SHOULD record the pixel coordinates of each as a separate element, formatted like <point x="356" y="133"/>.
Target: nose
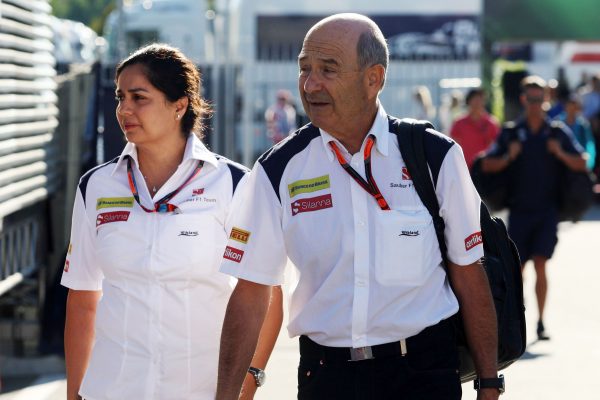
<point x="312" y="82"/>
<point x="123" y="108"/>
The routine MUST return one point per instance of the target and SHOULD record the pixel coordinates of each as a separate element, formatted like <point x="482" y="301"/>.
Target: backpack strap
<point x="411" y="136"/>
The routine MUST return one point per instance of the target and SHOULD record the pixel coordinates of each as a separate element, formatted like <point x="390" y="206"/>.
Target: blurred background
<point x="57" y="107"/>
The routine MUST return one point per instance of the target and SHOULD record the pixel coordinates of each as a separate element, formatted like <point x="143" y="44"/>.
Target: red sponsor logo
<point x="233" y="254"/>
<point x="114" y="216"/>
<point x="312" y="204"/>
<point x="66" y="267"/>
<point x="198" y="192"/>
<point x="405" y="174"/>
<point x="473" y="240"/>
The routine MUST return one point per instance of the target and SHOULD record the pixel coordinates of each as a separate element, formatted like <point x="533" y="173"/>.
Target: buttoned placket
<point x="360" y="204"/>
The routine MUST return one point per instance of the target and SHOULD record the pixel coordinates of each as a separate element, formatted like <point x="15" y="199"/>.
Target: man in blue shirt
<point x="536" y="150"/>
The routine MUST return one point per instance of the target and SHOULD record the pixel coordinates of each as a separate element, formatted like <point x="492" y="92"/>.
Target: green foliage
<point x="90" y="12"/>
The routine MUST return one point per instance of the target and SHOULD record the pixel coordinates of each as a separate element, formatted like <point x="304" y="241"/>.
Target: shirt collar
<point x="194" y="150"/>
<point x="380" y="129"/>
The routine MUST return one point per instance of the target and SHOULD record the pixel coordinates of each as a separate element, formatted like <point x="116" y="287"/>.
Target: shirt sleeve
<point x="460" y="208"/>
<point x="80" y="272"/>
<point x="500" y="146"/>
<point x="256" y="248"/>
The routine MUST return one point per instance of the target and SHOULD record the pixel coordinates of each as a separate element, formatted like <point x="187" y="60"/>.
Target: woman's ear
<point x="181" y="106"/>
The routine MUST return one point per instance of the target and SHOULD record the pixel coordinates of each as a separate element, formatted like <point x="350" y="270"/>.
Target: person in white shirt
<point x="146" y="300"/>
<point x="372" y="301"/>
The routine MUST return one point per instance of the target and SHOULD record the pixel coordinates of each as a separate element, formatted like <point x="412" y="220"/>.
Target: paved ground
<point x="568" y="366"/>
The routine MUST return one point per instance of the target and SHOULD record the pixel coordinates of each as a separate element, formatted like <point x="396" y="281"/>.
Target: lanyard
<point x="163" y="205"/>
<point x="369" y="185"/>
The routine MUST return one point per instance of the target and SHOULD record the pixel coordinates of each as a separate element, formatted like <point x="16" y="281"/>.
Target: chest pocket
<point x="190" y="245"/>
<point x="406" y="249"/>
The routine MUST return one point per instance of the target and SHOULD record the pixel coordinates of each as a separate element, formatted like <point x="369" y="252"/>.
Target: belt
<point x="416" y="343"/>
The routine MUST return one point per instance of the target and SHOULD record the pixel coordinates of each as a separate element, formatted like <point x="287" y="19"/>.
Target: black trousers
<point x="428" y="371"/>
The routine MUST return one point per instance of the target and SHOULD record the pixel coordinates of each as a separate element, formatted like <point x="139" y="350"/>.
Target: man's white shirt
<point x="364" y="276"/>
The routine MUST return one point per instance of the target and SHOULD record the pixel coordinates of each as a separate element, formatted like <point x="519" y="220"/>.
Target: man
<point x="371" y="287"/>
<point x="477" y="130"/>
<point x="280" y="117"/>
<point x="537" y="151"/>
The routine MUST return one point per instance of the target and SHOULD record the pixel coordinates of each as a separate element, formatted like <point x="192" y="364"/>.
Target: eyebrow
<point x="133" y="90"/>
<point x="330" y="61"/>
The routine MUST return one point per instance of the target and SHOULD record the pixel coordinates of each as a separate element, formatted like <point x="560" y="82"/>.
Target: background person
<point x="146" y="301"/>
<point x="371" y="287"/>
<point x="477" y="130"/>
<point x="280" y="117"/>
<point x="537" y="152"/>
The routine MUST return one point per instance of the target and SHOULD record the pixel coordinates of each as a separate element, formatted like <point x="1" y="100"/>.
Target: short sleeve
<point x="460" y="208"/>
<point x="500" y="145"/>
<point x="256" y="248"/>
<point x="80" y="272"/>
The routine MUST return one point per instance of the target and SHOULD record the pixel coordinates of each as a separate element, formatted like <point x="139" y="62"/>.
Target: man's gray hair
<point x="372" y="49"/>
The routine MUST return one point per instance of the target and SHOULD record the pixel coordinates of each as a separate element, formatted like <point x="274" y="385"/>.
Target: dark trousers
<point x="428" y="371"/>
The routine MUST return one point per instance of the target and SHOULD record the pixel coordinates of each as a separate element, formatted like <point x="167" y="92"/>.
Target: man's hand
<point x="575" y="162"/>
<point x="488" y="394"/>
<point x="554" y="147"/>
<point x="514" y="149"/>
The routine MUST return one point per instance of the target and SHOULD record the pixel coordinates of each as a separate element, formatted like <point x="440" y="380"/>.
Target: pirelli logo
<point x="239" y="235"/>
<point x="308" y="185"/>
<point x="112" y="202"/>
<point x="233" y="254"/>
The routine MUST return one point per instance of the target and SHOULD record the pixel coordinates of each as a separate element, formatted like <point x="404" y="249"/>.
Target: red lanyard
<point x="163" y="205"/>
<point x="369" y="185"/>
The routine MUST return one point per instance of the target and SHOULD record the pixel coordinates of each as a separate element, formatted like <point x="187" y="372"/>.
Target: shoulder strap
<point x="411" y="142"/>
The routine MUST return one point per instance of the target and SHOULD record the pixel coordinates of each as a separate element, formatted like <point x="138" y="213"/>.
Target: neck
<point x="535" y="122"/>
<point x="570" y="119"/>
<point x="157" y="164"/>
<point x="353" y="138"/>
<point x="476" y="114"/>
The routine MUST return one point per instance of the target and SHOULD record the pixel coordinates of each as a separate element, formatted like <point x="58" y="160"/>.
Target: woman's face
<point x="144" y="113"/>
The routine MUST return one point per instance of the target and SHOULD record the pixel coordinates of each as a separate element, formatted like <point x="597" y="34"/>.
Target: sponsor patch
<point x="110" y="202"/>
<point x="66" y="267"/>
<point x="409" y="233"/>
<point x="197" y="192"/>
<point x="239" y="235"/>
<point x="311" y="204"/>
<point x="114" y="216"/>
<point x="405" y="174"/>
<point x="473" y="240"/>
<point x="188" y="233"/>
<point x="233" y="254"/>
<point x="308" y="185"/>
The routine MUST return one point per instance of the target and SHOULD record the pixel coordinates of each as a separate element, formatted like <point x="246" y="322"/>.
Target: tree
<point x="90" y="12"/>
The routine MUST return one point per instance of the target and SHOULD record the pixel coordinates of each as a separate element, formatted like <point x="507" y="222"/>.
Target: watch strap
<point x="490" y="383"/>
<point x="256" y="373"/>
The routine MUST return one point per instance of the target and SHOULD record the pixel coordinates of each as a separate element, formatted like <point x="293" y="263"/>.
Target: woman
<point x="146" y="300"/>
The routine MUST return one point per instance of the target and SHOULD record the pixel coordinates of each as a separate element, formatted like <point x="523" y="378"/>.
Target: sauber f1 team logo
<point x="233" y="254"/>
<point x="473" y="240"/>
<point x="311" y="204"/>
<point x="405" y="174"/>
<point x="114" y="216"/>
<point x="239" y="235"/>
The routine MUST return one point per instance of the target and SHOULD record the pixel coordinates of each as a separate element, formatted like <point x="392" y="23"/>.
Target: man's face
<point x="332" y="87"/>
<point x="532" y="100"/>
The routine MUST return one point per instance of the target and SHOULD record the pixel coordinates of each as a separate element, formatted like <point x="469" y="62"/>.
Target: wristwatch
<point x="490" y="383"/>
<point x="259" y="376"/>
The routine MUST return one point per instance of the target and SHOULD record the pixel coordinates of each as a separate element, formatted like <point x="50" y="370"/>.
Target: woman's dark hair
<point x="171" y="72"/>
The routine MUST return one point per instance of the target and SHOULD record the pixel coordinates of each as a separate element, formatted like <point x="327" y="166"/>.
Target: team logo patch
<point x="110" y="202"/>
<point x="311" y="204"/>
<point x="233" y="254"/>
<point x="308" y="185"/>
<point x="409" y="233"/>
<point x="239" y="235"/>
<point x="66" y="267"/>
<point x="114" y="216"/>
<point x="473" y="240"/>
<point x="197" y="192"/>
<point x="405" y="174"/>
<point x="188" y="233"/>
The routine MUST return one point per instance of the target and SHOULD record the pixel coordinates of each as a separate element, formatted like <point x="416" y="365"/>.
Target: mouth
<point x="127" y="126"/>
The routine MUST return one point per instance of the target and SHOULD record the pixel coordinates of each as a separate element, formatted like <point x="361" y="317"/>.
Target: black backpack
<point x="501" y="259"/>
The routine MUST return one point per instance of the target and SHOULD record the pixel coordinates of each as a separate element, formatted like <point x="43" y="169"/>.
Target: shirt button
<point x="357" y="337"/>
<point x="361" y="223"/>
<point x="360" y="283"/>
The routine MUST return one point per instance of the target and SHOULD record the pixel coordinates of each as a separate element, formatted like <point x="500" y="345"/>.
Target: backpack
<point x="501" y="259"/>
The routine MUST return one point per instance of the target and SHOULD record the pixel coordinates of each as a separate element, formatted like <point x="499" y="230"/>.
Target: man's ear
<point x="375" y="76"/>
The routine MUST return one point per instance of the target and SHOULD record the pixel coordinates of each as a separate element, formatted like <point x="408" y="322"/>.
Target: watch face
<point x="261" y="377"/>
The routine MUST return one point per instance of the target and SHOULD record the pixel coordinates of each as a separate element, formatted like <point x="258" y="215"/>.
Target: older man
<point x="372" y="302"/>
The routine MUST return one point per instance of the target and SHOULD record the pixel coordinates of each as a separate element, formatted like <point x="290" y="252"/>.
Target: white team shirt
<point x="364" y="276"/>
<point x="158" y="323"/>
